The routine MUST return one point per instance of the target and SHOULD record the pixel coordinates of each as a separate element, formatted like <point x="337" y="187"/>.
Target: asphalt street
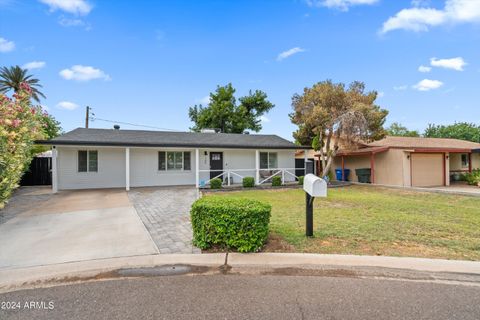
<point x="201" y="296"/>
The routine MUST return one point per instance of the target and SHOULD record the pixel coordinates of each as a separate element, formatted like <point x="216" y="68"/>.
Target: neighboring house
<point x="406" y="161"/>
<point x="111" y="158"/>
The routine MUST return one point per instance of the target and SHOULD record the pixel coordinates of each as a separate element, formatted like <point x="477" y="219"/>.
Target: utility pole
<point x="87" y="116"/>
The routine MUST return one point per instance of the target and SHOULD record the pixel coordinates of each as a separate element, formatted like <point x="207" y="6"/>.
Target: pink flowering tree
<point x="20" y="126"/>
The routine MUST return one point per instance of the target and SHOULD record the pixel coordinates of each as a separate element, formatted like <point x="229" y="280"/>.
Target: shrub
<point x="20" y="126"/>
<point x="236" y="223"/>
<point x="300" y="180"/>
<point x="248" y="182"/>
<point x="216" y="183"/>
<point x="276" y="181"/>
<point x="473" y="177"/>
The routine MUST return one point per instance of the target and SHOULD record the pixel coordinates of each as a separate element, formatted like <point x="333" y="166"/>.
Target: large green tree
<point x="396" y="129"/>
<point x="50" y="127"/>
<point x="12" y="77"/>
<point x="328" y="114"/>
<point x="223" y="112"/>
<point x="458" y="130"/>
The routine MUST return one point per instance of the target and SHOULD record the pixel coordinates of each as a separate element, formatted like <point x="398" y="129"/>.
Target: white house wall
<point x="111" y="169"/>
<point x="144" y="167"/>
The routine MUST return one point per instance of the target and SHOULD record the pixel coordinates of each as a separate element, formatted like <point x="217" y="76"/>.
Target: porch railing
<point x="226" y="175"/>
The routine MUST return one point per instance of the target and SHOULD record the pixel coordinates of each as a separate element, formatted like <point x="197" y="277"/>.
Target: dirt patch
<point x="276" y="243"/>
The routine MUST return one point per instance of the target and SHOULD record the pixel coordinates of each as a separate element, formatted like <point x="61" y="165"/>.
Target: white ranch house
<point x="110" y="158"/>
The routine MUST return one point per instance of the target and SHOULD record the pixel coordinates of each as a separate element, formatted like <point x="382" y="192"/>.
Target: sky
<point x="147" y="62"/>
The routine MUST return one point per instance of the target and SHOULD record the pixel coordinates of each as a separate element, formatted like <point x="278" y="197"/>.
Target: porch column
<point x="54" y="170"/>
<point x="470" y="162"/>
<point x="197" y="167"/>
<point x="127" y="169"/>
<point x="372" y="167"/>
<point x="257" y="167"/>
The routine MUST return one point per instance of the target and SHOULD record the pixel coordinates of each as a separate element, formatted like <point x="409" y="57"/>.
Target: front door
<point x="216" y="164"/>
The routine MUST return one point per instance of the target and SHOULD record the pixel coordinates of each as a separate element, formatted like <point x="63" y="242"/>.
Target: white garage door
<point x="427" y="169"/>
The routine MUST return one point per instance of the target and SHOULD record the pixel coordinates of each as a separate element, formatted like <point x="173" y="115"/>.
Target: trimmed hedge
<point x="216" y="183"/>
<point x="248" y="182"/>
<point x="276" y="181"/>
<point x="300" y="180"/>
<point x="236" y="223"/>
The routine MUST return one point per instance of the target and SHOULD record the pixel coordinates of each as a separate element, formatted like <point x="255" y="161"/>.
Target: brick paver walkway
<point x="165" y="211"/>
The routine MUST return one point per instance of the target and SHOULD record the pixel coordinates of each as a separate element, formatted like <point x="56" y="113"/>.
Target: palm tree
<point x="11" y="78"/>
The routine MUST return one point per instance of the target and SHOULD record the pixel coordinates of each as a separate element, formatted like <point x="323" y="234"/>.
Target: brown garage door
<point x="427" y="169"/>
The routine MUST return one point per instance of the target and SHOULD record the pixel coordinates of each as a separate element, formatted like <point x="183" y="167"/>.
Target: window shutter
<point x="82" y="161"/>
<point x="186" y="161"/>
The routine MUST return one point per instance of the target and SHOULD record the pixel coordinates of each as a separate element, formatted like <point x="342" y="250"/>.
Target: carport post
<point x="470" y="162"/>
<point x="197" y="167"/>
<point x="257" y="167"/>
<point x="127" y="169"/>
<point x="54" y="170"/>
<point x="372" y="168"/>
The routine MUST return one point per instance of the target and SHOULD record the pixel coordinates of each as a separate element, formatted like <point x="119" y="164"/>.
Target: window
<point x="88" y="161"/>
<point x="268" y="160"/>
<point x="174" y="160"/>
<point x="465" y="160"/>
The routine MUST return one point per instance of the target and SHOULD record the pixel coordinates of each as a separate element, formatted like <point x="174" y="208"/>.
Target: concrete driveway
<point x="40" y="228"/>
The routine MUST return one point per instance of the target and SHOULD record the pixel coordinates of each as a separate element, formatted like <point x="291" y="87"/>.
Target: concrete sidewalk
<point x="21" y="278"/>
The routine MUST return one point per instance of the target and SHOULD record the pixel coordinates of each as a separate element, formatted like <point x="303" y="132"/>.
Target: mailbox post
<point x="314" y="187"/>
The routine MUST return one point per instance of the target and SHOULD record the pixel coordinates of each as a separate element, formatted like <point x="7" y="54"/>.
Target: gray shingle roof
<point x="142" y="138"/>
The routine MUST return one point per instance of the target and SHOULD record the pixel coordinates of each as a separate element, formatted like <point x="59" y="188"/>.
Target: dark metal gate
<point x="39" y="173"/>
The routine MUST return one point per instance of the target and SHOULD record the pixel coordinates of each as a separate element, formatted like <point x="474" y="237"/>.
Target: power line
<point x="94" y="118"/>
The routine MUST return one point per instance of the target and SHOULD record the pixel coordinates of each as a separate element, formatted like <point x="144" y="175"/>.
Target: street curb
<point x="30" y="277"/>
<point x="307" y="259"/>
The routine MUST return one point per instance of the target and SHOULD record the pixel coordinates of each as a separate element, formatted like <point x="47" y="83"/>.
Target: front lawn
<point x="376" y="221"/>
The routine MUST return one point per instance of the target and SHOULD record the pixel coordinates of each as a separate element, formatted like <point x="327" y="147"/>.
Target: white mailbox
<point x="314" y="186"/>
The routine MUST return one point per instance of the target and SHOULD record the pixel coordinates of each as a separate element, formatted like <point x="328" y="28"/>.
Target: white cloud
<point x="427" y="85"/>
<point x="424" y="69"/>
<point x="264" y="119"/>
<point x="6" y="46"/>
<point x="454" y="63"/>
<point x="80" y="7"/>
<point x="34" y="65"/>
<point x="67" y="105"/>
<point x="421" y="19"/>
<point x="204" y="100"/>
<point x="380" y="94"/>
<point x="289" y="53"/>
<point x="400" y="88"/>
<point x="83" y="73"/>
<point x="343" y="5"/>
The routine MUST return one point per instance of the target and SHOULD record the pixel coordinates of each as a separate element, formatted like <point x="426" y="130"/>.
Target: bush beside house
<point x="236" y="223"/>
<point x="216" y="183"/>
<point x="248" y="182"/>
<point x="276" y="181"/>
<point x="300" y="180"/>
<point x="473" y="178"/>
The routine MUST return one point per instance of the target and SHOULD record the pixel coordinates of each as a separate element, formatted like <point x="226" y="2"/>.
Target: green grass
<point x="377" y="221"/>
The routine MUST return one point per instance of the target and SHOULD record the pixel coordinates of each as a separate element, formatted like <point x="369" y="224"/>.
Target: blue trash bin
<point x="338" y="173"/>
